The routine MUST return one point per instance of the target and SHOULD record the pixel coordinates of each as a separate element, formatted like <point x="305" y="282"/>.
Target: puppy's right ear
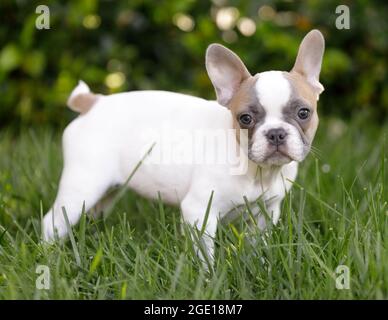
<point x="226" y="71"/>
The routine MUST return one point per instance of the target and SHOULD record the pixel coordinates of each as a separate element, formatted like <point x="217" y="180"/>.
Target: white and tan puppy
<point x="277" y="111"/>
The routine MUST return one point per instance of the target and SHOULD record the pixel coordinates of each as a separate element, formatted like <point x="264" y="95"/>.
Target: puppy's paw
<point x="53" y="228"/>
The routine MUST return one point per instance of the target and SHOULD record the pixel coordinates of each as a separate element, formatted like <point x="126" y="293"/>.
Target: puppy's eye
<point x="246" y="119"/>
<point x="303" y="113"/>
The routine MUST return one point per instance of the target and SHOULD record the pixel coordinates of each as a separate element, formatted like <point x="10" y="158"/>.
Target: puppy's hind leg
<point x="78" y="187"/>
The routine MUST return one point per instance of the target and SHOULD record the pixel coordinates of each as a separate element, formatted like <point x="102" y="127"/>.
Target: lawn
<point x="336" y="214"/>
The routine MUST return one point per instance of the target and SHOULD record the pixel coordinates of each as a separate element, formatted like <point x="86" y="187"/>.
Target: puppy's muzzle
<point x="276" y="137"/>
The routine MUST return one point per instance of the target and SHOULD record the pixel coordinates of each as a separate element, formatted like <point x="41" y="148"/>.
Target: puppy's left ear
<point x="309" y="60"/>
<point x="226" y="71"/>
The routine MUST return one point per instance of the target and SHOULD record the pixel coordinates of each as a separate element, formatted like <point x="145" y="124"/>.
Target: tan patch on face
<point x="242" y="100"/>
<point x="246" y="95"/>
<point x="302" y="87"/>
<point x="305" y="91"/>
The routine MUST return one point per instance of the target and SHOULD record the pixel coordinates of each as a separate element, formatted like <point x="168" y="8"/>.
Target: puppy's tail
<point x="81" y="98"/>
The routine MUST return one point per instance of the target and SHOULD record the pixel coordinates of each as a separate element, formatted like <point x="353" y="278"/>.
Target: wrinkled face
<point x="278" y="111"/>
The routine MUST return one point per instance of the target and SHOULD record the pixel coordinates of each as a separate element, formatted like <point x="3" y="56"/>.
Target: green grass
<point x="336" y="214"/>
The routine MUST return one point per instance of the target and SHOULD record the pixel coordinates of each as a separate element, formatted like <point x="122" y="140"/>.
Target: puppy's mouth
<point x="278" y="156"/>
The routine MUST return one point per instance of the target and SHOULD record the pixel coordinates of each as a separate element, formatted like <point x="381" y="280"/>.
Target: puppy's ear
<point x="226" y="71"/>
<point x="309" y="60"/>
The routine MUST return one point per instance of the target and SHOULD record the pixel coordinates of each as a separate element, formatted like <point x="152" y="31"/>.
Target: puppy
<point x="274" y="112"/>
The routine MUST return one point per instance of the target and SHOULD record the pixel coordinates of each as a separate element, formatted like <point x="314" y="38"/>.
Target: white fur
<point x="102" y="147"/>
<point x="273" y="91"/>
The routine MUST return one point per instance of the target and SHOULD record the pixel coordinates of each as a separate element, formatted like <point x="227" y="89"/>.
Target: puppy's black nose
<point x="277" y="136"/>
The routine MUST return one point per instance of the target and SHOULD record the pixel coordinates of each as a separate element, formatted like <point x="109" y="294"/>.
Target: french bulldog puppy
<point x="275" y="112"/>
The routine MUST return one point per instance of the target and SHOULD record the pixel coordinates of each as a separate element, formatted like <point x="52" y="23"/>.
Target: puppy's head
<point x="278" y="108"/>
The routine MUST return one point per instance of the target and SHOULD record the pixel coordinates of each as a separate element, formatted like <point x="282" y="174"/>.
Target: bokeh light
<point x="115" y="80"/>
<point x="246" y="26"/>
<point x="266" y="13"/>
<point x="91" y="21"/>
<point x="184" y="22"/>
<point x="226" y="17"/>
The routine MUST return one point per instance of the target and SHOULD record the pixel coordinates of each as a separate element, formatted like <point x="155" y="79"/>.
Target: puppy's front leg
<point x="273" y="210"/>
<point x="194" y="214"/>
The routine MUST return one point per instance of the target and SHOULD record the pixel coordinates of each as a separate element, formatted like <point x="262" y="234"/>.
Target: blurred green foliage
<point x="144" y="44"/>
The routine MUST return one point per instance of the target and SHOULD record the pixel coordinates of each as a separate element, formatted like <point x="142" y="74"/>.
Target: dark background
<point x="129" y="45"/>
